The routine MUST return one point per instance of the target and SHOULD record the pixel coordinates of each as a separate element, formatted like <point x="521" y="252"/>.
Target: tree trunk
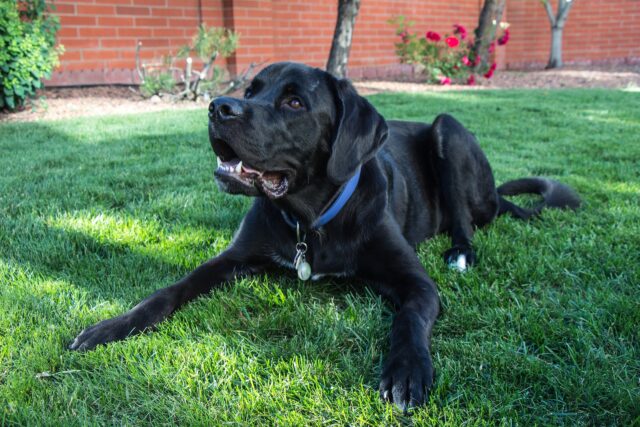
<point x="557" y="22"/>
<point x="488" y="22"/>
<point x="341" y="45"/>
<point x="555" y="58"/>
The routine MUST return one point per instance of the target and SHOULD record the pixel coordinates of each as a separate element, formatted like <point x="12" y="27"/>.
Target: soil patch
<point x="60" y="103"/>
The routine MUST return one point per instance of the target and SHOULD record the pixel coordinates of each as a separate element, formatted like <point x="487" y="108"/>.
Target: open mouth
<point x="230" y="166"/>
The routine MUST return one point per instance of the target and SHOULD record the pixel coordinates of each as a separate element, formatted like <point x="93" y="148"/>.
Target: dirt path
<point x="618" y="77"/>
<point x="60" y="103"/>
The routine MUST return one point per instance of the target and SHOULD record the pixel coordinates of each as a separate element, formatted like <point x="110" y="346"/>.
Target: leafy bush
<point x="157" y="83"/>
<point x="27" y="49"/>
<point x="444" y="58"/>
<point x="211" y="42"/>
<point x="207" y="45"/>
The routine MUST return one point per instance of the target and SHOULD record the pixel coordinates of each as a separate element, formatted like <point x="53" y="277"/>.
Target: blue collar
<point x="335" y="207"/>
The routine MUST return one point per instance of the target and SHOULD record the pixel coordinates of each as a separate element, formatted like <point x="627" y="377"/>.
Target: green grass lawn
<point x="96" y="213"/>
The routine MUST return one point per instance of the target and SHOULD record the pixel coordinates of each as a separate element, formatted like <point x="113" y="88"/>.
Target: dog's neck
<point x="307" y="204"/>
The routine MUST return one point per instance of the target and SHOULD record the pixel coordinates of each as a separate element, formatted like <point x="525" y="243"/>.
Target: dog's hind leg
<point x="465" y="185"/>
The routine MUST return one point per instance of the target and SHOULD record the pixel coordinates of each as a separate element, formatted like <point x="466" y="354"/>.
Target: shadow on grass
<point x="111" y="219"/>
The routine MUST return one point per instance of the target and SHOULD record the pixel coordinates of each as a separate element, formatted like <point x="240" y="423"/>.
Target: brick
<point x="135" y="32"/>
<point x="67" y="32"/>
<point x="99" y="54"/>
<point x="64" y="8"/>
<point x="169" y="32"/>
<point x="122" y="63"/>
<point x="151" y="2"/>
<point x="71" y="55"/>
<point x="168" y="11"/>
<point x="184" y="22"/>
<point x="132" y="10"/>
<point x="110" y="21"/>
<point x="98" y="32"/>
<point x="155" y="42"/>
<point x="115" y="2"/>
<point x="69" y="20"/>
<point x="119" y="42"/>
<point x="83" y="65"/>
<point x="79" y="43"/>
<point x="151" y="22"/>
<point x="90" y="9"/>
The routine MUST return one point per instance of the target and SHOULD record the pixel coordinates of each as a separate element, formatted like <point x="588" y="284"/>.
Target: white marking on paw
<point x="460" y="264"/>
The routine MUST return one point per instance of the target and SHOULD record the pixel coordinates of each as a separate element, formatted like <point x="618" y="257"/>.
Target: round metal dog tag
<point x="304" y="270"/>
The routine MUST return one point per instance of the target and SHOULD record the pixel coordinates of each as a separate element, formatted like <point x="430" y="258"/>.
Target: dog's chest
<point x="324" y="258"/>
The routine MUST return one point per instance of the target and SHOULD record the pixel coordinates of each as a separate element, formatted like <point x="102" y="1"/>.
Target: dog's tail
<point x="554" y="194"/>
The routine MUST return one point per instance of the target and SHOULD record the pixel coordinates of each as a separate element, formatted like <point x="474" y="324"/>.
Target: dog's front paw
<point x="114" y="329"/>
<point x="407" y="377"/>
<point x="460" y="257"/>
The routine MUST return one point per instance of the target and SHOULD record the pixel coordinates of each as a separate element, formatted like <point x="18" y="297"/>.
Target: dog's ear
<point x="359" y="133"/>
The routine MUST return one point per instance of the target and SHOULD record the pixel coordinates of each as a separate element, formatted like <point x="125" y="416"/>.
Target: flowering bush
<point x="444" y="58"/>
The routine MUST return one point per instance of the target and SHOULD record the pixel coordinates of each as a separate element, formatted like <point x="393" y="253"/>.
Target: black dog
<point x="340" y="191"/>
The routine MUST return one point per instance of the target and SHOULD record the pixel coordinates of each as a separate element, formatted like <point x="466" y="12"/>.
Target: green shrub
<point x="27" y="49"/>
<point x="157" y="83"/>
<point x="207" y="45"/>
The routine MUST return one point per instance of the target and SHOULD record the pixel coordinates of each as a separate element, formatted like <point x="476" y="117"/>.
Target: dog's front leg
<point x="159" y="305"/>
<point x="244" y="256"/>
<point x="391" y="263"/>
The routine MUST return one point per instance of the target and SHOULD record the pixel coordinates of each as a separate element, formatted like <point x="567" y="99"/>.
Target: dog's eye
<point x="294" y="103"/>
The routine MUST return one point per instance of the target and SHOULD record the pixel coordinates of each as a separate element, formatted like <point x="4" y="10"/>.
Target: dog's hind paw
<point x="460" y="264"/>
<point x="460" y="257"/>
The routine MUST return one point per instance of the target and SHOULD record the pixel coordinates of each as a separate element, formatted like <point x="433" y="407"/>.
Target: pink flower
<point x="505" y="38"/>
<point x="433" y="36"/>
<point x="444" y="80"/>
<point x="492" y="47"/>
<point x="405" y="36"/>
<point x="452" y="41"/>
<point x="466" y="61"/>
<point x="460" y="30"/>
<point x="489" y="73"/>
<point x="471" y="80"/>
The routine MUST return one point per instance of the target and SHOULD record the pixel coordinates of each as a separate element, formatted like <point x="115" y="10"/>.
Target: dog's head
<point x="295" y="125"/>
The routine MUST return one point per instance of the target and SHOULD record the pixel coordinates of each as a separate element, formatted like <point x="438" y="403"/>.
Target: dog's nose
<point x="225" y="108"/>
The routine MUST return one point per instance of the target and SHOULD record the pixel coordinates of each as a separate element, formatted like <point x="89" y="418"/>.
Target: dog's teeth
<point x="219" y="162"/>
<point x="239" y="167"/>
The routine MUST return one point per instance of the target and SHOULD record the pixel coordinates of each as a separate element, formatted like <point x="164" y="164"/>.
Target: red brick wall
<point x="304" y="29"/>
<point x="596" y="30"/>
<point x="100" y="35"/>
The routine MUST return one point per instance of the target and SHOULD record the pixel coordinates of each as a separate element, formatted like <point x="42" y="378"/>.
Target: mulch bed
<point x="60" y="103"/>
